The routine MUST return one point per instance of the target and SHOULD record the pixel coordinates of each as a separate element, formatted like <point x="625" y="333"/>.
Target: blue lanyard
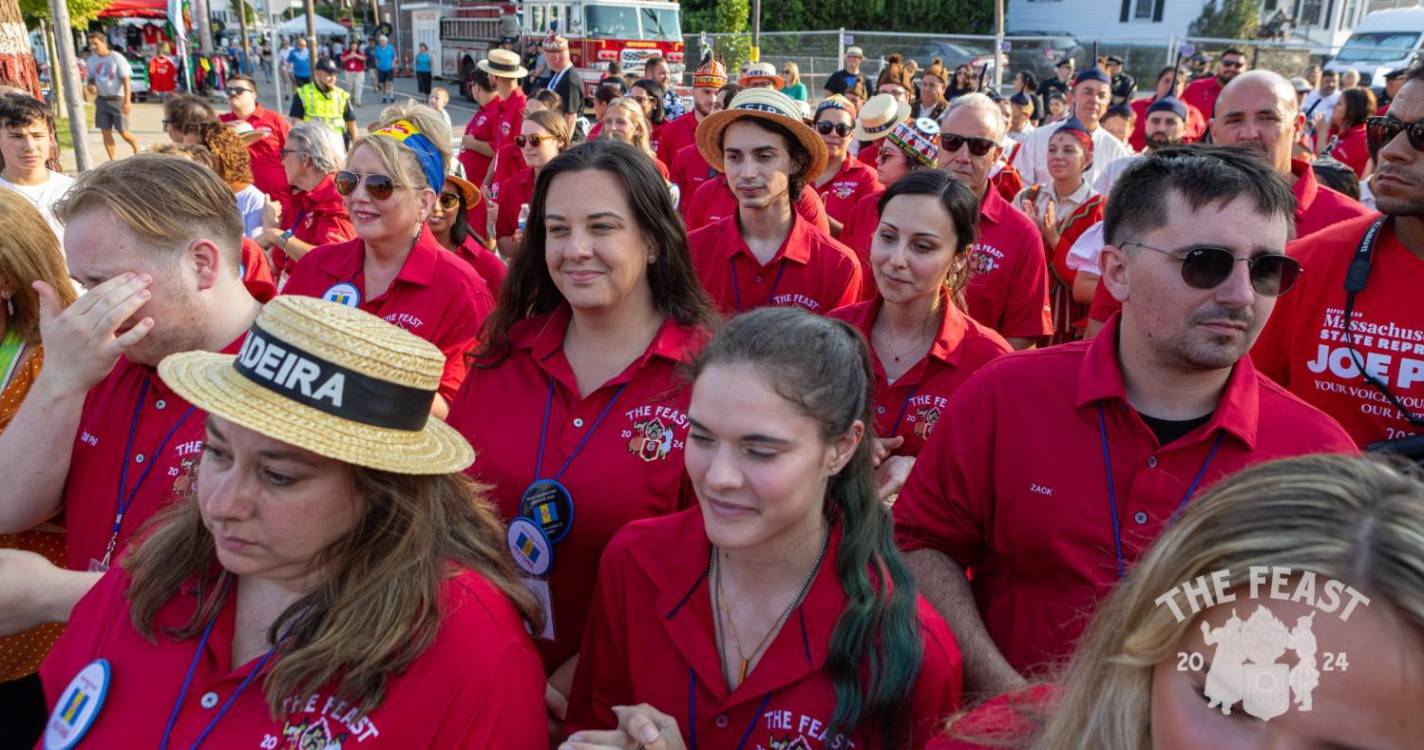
<point x="692" y="714"/>
<point x="903" y="408"/>
<point x="544" y="433"/>
<point x="1112" y="495"/>
<point x="126" y="494"/>
<point x="737" y="287"/>
<point x="187" y="681"/>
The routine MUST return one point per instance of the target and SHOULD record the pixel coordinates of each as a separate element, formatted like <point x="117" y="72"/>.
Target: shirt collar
<point x="953" y="325"/>
<point x="418" y="268"/>
<point x="543" y="335"/>
<point x="992" y="206"/>
<point x="1305" y="187"/>
<point x="795" y="248"/>
<point x="1100" y="379"/>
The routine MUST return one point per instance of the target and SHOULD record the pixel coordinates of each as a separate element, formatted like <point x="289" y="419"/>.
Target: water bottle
<point x="523" y="216"/>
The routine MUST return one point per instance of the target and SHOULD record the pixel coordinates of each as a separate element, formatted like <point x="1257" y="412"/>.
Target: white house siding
<point x="1100" y="19"/>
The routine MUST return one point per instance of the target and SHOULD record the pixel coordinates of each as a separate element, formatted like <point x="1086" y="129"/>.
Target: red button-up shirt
<point x="688" y="171"/>
<point x="913" y="404"/>
<point x="482" y="127"/>
<point x="1303" y="344"/>
<point x="714" y="201"/>
<point x="318" y="217"/>
<point x="1353" y="150"/>
<point x="267" y="172"/>
<point x="854" y="181"/>
<point x="1023" y="498"/>
<point x="1202" y="94"/>
<point x="676" y="136"/>
<point x="630" y="468"/>
<point x="1008" y="290"/>
<point x="810" y="270"/>
<point x="478" y="684"/>
<point x="510" y="195"/>
<point x="485" y="262"/>
<point x="511" y="117"/>
<point x="653" y="640"/>
<point x="435" y="296"/>
<point x="151" y="468"/>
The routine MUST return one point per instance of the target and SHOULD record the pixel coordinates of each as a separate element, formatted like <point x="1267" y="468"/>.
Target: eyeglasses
<point x="531" y="141"/>
<point x="977" y="146"/>
<point x="378" y="186"/>
<point x="449" y="201"/>
<point x="826" y="127"/>
<point x="1206" y="267"/>
<point x="236" y="91"/>
<point x="1379" y="131"/>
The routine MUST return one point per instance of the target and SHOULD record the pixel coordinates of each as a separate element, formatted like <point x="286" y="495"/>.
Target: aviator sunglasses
<point x="1206" y="267"/>
<point x="378" y="186"/>
<point x="1380" y="130"/>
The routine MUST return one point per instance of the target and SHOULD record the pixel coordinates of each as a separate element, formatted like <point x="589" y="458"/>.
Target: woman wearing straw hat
<point x="450" y="223"/>
<point x="311" y="157"/>
<point x="575" y="403"/>
<point x="908" y="147"/>
<point x="873" y="122"/>
<point x="394" y="268"/>
<point x="765" y="253"/>
<point x="542" y="136"/>
<point x="844" y="180"/>
<point x="778" y="613"/>
<point x="329" y="579"/>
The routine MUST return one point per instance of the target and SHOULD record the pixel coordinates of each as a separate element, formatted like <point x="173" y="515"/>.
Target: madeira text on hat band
<point x="328" y="387"/>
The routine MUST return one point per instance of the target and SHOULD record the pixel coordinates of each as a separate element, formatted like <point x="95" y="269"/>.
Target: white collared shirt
<point x="1032" y="159"/>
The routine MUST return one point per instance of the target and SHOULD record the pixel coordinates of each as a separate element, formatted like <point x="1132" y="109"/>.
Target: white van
<point x="1384" y="41"/>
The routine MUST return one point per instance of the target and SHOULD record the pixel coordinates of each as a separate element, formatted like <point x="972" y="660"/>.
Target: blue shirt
<point x="422" y="62"/>
<point x="385" y="57"/>
<point x="300" y="60"/>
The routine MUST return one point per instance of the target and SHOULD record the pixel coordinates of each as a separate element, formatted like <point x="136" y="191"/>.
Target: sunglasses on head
<point x="1206" y="267"/>
<point x="532" y="141"/>
<point x="378" y="186"/>
<point x="449" y="201"/>
<point x="977" y="146"/>
<point x="826" y="127"/>
<point x="1379" y="131"/>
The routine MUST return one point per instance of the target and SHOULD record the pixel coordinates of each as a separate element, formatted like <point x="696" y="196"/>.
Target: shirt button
<point x="721" y="721"/>
<point x="578" y="421"/>
<point x="161" y="405"/>
<point x="138" y="459"/>
<point x="1151" y="462"/>
<point x="1140" y="517"/>
<point x="209" y="700"/>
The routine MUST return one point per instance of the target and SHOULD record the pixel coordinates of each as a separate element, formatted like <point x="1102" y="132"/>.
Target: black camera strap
<point x="1355" y="279"/>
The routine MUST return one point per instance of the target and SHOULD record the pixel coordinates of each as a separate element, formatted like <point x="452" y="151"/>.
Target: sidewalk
<point x="146" y="119"/>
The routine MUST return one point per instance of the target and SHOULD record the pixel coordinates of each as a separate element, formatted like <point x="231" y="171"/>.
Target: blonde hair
<point x="29" y="252"/>
<point x="792" y="76"/>
<point x="168" y="201"/>
<point x="554" y="124"/>
<point x="1357" y="520"/>
<point x="398" y="158"/>
<point x="634" y="111"/>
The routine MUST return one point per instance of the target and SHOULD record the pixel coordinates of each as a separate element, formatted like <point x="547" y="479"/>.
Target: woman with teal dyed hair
<point x="779" y="608"/>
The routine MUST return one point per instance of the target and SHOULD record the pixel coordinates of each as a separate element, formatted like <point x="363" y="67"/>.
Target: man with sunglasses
<point x="266" y="152"/>
<point x="323" y="101"/>
<point x="1202" y="93"/>
<point x="1094" y="447"/>
<point x="1008" y="290"/>
<point x="1351" y="340"/>
<point x="1092" y="92"/>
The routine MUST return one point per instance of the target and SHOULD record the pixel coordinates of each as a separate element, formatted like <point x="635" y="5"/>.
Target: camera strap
<point x="1355" y="280"/>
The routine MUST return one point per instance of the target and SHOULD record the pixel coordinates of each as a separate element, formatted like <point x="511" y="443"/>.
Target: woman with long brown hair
<point x="330" y="577"/>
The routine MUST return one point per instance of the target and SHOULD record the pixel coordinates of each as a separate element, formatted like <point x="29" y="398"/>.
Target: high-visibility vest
<point x="324" y="107"/>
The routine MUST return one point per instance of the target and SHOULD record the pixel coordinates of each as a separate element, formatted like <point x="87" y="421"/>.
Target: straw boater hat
<point x="919" y="140"/>
<point x="762" y="104"/>
<point x="710" y="75"/>
<point x="762" y="71"/>
<point x="332" y="379"/>
<point x="503" y="63"/>
<point x="879" y="116"/>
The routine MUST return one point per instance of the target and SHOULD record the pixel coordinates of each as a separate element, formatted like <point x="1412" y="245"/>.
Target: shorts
<point x="385" y="76"/>
<point x="109" y="114"/>
<point x="299" y="81"/>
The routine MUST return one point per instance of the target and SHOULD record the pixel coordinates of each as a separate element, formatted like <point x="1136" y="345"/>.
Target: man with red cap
<point x="682" y="132"/>
<point x="1081" y="454"/>
<point x="1092" y="91"/>
<point x="1202" y="93"/>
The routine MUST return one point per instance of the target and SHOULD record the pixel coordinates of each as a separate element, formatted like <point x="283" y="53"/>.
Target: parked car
<point x="1039" y="56"/>
<point x="953" y="55"/>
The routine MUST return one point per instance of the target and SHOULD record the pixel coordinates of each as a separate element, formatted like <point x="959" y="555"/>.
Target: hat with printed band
<point x="919" y="140"/>
<point x="331" y="379"/>
<point x="879" y="116"/>
<point x="836" y="101"/>
<point x="762" y="72"/>
<point x="503" y="64"/>
<point x="554" y="43"/>
<point x="761" y="104"/>
<point x="712" y="74"/>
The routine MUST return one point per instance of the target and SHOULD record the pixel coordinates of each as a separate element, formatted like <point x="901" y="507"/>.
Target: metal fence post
<point x="840" y="44"/>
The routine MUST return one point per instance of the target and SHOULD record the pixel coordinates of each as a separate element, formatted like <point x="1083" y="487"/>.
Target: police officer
<point x="1124" y="86"/>
<point x="1062" y="82"/>
<point x="323" y="101"/>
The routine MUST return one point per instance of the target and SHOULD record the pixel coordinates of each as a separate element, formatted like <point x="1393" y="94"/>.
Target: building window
<point x="1143" y="9"/>
<point x="1310" y="13"/>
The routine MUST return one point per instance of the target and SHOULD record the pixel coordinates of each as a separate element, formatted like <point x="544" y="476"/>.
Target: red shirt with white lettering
<point x="1303" y="344"/>
<point x="854" y="181"/>
<point x="478" y="684"/>
<point x="482" y="127"/>
<point x="714" y="201"/>
<point x="630" y="468"/>
<point x="167" y="441"/>
<point x="435" y="296"/>
<point x="1023" y="498"/>
<point x="1008" y="289"/>
<point x="913" y="404"/>
<point x="810" y="270"/>
<point x="268" y="174"/>
<point x="656" y="643"/>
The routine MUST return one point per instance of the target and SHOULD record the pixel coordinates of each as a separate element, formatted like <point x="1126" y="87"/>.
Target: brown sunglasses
<point x="378" y="186"/>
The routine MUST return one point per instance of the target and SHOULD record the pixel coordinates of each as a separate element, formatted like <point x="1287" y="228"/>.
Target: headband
<point x="1078" y="132"/>
<point x="404" y="132"/>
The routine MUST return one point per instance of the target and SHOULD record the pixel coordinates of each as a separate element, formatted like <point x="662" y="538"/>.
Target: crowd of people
<point x="914" y="416"/>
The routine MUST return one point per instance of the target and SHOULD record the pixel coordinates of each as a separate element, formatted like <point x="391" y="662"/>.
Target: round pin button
<point x="880" y="410"/>
<point x="578" y="421"/>
<point x="1151" y="462"/>
<point x="1140" y="517"/>
<point x="161" y="405"/>
<point x="208" y="700"/>
<point x="138" y="459"/>
<point x="721" y="721"/>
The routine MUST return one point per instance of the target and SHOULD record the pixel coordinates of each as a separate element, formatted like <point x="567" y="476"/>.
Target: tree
<point x="1229" y="19"/>
<point x="81" y="12"/>
<point x="17" y="59"/>
<point x="732" y="17"/>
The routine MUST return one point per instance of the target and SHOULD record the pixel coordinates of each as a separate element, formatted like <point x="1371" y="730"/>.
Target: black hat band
<point x="501" y="67"/>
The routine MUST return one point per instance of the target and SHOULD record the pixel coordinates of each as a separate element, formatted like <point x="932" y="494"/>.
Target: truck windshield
<point x="1379" y="46"/>
<point x="610" y="22"/>
<point x="661" y="24"/>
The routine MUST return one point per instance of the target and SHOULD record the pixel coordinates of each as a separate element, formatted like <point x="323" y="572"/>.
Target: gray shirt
<point x="108" y="73"/>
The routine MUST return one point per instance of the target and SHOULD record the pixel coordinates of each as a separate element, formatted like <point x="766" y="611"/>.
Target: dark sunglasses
<point x="1233" y="64"/>
<point x="378" y="186"/>
<point x="1379" y="131"/>
<point x="977" y="146"/>
<point x="1206" y="267"/>
<point x="449" y="201"/>
<point x="236" y="91"/>
<point x="826" y="127"/>
<point x="532" y="141"/>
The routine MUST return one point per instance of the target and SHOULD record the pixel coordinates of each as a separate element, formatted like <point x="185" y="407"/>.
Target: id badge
<point x="540" y="588"/>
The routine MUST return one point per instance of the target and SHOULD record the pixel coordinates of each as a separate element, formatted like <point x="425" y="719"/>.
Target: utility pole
<point x="999" y="53"/>
<point x="311" y="32"/>
<point x="246" y="68"/>
<point x="756" y="30"/>
<point x="65" y="67"/>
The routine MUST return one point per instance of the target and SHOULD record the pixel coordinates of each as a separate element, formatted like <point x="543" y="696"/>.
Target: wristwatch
<point x="282" y="240"/>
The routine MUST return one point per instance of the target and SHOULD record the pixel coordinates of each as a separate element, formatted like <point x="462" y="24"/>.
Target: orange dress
<point x="21" y="653"/>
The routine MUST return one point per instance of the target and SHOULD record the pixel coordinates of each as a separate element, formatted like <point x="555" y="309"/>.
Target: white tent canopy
<point x="324" y="27"/>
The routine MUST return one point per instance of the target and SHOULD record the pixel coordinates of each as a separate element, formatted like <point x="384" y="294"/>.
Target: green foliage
<point x="1227" y="19"/>
<point x="941" y="16"/>
<point x="734" y="16"/>
<point x="81" y="12"/>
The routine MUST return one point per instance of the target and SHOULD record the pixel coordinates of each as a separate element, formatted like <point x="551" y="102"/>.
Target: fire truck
<point x="599" y="32"/>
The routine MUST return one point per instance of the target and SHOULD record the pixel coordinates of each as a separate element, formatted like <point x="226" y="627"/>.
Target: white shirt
<point x="1032" y="159"/>
<point x="1063" y="205"/>
<point x="249" y="203"/>
<point x="1083" y="256"/>
<point x="1321" y="104"/>
<point x="43" y="196"/>
<point x="1108" y="178"/>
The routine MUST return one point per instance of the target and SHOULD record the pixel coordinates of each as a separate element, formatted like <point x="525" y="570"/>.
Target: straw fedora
<point x="468" y="191"/>
<point x="762" y="72"/>
<point x="332" y="379"/>
<point x="762" y="104"/>
<point x="503" y="64"/>
<point x="879" y="116"/>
